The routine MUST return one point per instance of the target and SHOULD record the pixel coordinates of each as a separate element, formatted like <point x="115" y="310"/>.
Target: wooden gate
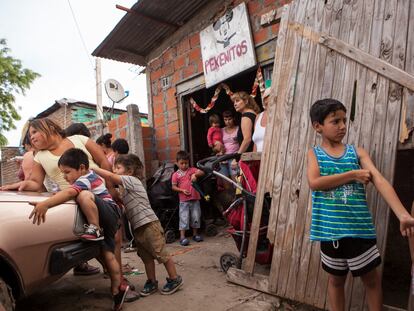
<point x="356" y="51"/>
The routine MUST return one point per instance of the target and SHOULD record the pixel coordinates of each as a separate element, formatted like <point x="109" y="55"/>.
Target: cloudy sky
<point x="44" y="36"/>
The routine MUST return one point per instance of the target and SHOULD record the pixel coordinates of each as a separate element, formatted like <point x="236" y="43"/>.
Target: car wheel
<point x="170" y="236"/>
<point x="228" y="260"/>
<point x="6" y="297"/>
<point x="211" y="230"/>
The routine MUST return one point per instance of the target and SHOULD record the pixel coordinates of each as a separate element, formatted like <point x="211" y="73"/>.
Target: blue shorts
<point x="190" y="214"/>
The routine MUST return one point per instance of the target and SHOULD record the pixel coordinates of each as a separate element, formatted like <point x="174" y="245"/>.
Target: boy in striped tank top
<point x="341" y="221"/>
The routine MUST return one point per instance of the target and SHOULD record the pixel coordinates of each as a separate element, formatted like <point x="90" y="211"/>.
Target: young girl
<point x="148" y="233"/>
<point x="214" y="135"/>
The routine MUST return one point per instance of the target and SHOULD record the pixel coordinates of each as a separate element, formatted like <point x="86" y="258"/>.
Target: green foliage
<point x="14" y="79"/>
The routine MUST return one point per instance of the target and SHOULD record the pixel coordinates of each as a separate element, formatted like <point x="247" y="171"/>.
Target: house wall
<point x="119" y="127"/>
<point x="182" y="61"/>
<point x="8" y="167"/>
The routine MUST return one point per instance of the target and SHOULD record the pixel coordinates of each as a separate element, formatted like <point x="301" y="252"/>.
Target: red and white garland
<point x="258" y="82"/>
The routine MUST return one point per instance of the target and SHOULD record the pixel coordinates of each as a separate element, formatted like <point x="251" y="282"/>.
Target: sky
<point x="44" y="36"/>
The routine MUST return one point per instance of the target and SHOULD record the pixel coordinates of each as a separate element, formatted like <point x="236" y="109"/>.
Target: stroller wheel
<point x="228" y="260"/>
<point x="211" y="230"/>
<point x="169" y="236"/>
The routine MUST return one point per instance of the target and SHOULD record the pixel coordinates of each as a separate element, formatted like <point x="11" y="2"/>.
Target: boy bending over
<point x="341" y="221"/>
<point x="97" y="205"/>
<point x="148" y="233"/>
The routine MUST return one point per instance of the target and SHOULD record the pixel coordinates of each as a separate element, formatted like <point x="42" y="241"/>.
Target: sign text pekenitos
<point x="214" y="63"/>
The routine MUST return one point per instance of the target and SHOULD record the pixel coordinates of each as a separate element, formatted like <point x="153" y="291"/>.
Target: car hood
<point x="26" y="196"/>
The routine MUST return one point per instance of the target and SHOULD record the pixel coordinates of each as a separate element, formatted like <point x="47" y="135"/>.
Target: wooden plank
<point x="341" y="87"/>
<point x="325" y="10"/>
<point x="257" y="281"/>
<point x="398" y="36"/>
<point x="354" y="127"/>
<point x="286" y="94"/>
<point x="382" y="67"/>
<point x="295" y="153"/>
<point x="316" y="277"/>
<point x="267" y="148"/>
<point x="407" y="118"/>
<point x="300" y="235"/>
<point x="251" y="156"/>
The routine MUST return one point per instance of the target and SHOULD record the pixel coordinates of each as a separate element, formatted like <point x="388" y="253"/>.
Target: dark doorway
<point x="197" y="123"/>
<point x="397" y="261"/>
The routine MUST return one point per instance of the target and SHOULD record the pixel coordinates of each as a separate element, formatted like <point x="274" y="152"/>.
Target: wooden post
<point x="134" y="133"/>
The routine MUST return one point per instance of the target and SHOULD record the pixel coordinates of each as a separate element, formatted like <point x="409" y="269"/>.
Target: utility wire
<point x="81" y="37"/>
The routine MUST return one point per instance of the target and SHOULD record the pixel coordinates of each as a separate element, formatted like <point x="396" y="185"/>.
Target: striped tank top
<point x="340" y="212"/>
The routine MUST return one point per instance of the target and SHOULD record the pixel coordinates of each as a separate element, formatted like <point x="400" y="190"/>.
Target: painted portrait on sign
<point x="223" y="30"/>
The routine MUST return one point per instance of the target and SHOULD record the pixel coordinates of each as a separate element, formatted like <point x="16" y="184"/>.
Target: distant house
<point x="67" y="111"/>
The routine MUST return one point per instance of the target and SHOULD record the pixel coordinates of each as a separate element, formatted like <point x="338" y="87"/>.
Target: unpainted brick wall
<point x="118" y="128"/>
<point x="8" y="167"/>
<point x="183" y="61"/>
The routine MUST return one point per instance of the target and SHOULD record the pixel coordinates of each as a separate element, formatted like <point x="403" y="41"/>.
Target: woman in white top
<point x="260" y="124"/>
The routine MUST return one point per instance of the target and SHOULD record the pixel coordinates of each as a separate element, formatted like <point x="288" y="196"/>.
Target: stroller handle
<point x="211" y="164"/>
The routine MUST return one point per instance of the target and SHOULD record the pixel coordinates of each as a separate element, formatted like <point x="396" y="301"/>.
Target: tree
<point x="14" y="79"/>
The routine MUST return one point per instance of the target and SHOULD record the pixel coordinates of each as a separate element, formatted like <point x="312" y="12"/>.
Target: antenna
<point x="115" y="92"/>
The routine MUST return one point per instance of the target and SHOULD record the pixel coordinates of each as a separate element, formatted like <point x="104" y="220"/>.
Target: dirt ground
<point x="205" y="286"/>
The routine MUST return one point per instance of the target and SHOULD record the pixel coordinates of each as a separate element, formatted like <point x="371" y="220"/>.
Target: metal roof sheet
<point x="144" y="27"/>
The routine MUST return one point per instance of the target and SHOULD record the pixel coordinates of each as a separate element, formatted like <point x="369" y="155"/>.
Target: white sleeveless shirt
<point x="259" y="133"/>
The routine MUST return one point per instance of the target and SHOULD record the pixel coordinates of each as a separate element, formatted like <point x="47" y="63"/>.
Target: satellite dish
<point x="114" y="90"/>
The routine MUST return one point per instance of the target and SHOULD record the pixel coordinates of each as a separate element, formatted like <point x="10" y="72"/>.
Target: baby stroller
<point x="240" y="212"/>
<point x="164" y="201"/>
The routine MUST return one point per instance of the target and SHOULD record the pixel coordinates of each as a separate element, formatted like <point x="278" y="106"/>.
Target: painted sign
<point x="227" y="46"/>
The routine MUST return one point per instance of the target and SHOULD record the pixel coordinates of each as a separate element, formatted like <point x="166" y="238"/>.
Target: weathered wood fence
<point x="361" y="53"/>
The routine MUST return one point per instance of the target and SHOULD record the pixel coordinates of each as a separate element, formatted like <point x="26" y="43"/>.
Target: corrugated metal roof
<point x="142" y="30"/>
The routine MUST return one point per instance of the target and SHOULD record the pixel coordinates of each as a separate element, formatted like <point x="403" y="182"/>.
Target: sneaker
<point x="125" y="282"/>
<point x="119" y="298"/>
<point x="184" y="242"/>
<point x="149" y="288"/>
<point x="92" y="233"/>
<point x="131" y="296"/>
<point x="172" y="285"/>
<point x="197" y="238"/>
<point x="85" y="269"/>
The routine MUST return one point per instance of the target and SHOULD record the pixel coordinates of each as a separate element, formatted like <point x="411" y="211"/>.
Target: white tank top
<point x="259" y="133"/>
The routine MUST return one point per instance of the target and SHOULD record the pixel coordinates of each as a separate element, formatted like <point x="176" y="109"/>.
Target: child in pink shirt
<point x="214" y="135"/>
<point x="189" y="212"/>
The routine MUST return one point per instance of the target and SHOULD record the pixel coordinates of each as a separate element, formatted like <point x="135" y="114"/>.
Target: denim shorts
<point x="226" y="170"/>
<point x="190" y="214"/>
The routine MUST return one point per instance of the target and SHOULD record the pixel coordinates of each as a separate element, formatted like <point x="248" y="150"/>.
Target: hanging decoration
<point x="258" y="82"/>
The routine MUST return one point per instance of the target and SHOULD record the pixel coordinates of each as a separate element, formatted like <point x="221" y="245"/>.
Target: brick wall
<point x="8" y="167"/>
<point x="181" y="61"/>
<point x="62" y="116"/>
<point x="118" y="127"/>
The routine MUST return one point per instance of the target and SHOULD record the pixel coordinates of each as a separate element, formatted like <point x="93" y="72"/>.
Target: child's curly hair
<point x="130" y="162"/>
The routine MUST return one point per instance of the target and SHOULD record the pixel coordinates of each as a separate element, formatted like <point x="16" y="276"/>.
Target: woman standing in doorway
<point x="247" y="106"/>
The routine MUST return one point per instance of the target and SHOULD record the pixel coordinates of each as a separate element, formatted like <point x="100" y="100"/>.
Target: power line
<point x="81" y="37"/>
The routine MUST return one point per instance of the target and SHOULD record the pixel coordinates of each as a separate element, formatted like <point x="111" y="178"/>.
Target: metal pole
<point x="99" y="109"/>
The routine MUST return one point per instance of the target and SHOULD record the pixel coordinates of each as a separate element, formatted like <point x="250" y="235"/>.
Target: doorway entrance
<point x="196" y="123"/>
